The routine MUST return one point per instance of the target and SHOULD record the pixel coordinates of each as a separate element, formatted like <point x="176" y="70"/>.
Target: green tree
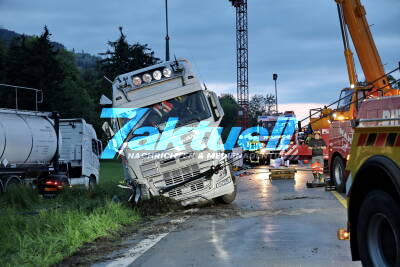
<point x="2" y="62"/>
<point x="32" y="62"/>
<point x="270" y="104"/>
<point x="231" y="109"/>
<point x="257" y="106"/>
<point x="73" y="96"/>
<point x="122" y="57"/>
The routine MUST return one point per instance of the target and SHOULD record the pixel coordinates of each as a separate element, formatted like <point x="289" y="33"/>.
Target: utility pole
<point x="275" y="78"/>
<point x="166" y="37"/>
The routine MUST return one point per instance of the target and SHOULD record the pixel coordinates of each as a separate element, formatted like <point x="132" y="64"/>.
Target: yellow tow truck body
<point x="373" y="192"/>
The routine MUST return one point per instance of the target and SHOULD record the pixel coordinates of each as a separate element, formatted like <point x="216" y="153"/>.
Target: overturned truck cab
<point x="165" y="140"/>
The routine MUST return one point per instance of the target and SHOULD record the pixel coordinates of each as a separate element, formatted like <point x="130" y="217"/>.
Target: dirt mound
<point x="158" y="205"/>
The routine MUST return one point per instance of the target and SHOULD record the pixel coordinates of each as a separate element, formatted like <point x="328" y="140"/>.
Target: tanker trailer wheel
<point x="1" y="186"/>
<point x="378" y="230"/>
<point x="338" y="174"/>
<point x="13" y="183"/>
<point x="64" y="182"/>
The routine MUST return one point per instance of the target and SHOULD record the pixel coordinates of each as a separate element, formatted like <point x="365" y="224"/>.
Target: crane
<point x="352" y="18"/>
<point x="354" y="26"/>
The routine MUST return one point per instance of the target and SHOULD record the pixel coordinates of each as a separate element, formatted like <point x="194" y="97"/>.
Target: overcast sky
<point x="298" y="39"/>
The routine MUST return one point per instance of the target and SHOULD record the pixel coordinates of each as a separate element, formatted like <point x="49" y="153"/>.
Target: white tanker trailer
<point x="40" y="149"/>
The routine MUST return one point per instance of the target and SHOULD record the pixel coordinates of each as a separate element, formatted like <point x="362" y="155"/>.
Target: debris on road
<point x="301" y="197"/>
<point x="282" y="173"/>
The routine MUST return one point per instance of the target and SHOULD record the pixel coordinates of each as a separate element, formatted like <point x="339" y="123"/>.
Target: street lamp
<point x="166" y="37"/>
<point x="275" y="78"/>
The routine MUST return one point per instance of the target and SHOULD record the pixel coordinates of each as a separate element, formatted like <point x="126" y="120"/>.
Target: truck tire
<point x="261" y="160"/>
<point x="338" y="174"/>
<point x="64" y="182"/>
<point x="228" y="198"/>
<point x="264" y="160"/>
<point x="12" y="183"/>
<point x="254" y="158"/>
<point x="378" y="230"/>
<point x="92" y="183"/>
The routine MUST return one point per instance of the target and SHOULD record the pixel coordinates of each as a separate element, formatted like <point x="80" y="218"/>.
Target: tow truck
<point x="373" y="184"/>
<point x="352" y="18"/>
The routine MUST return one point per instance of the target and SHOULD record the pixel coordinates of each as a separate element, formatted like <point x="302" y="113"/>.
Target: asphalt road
<point x="278" y="223"/>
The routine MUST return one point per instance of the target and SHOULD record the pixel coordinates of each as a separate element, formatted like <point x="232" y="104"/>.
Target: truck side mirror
<point x="214" y="107"/>
<point x="355" y="123"/>
<point x="105" y="101"/>
<point x="107" y="130"/>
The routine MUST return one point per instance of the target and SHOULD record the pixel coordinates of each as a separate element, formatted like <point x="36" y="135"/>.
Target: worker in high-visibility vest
<point x="317" y="145"/>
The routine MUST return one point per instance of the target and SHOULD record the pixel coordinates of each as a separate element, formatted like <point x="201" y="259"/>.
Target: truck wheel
<point x="228" y="198"/>
<point x="64" y="182"/>
<point x="264" y="160"/>
<point x="92" y="183"/>
<point x="268" y="160"/>
<point x="261" y="161"/>
<point x="378" y="230"/>
<point x="12" y="183"/>
<point x="338" y="174"/>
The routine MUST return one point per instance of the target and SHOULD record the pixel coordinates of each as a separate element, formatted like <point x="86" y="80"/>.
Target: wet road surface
<point x="278" y="223"/>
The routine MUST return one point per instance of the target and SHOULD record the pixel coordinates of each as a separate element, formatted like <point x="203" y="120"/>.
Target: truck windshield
<point x="188" y="109"/>
<point x="345" y="99"/>
<point x="269" y="125"/>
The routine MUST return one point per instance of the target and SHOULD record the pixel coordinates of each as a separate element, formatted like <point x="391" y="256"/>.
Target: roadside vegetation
<point x="41" y="232"/>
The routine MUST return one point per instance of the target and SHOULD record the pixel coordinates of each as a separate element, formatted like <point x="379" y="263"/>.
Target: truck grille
<point x="175" y="192"/>
<point x="199" y="185"/>
<point x="192" y="187"/>
<point x="180" y="175"/>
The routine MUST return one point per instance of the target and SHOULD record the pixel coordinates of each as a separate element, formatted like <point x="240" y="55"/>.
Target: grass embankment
<point x="41" y="232"/>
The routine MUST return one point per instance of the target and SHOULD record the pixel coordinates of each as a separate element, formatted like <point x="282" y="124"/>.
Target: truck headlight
<point x="147" y="78"/>
<point x="167" y="72"/>
<point x="157" y="75"/>
<point x="136" y="81"/>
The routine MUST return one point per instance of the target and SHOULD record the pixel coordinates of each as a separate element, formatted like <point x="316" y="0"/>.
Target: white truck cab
<point x="80" y="152"/>
<point x="171" y="90"/>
